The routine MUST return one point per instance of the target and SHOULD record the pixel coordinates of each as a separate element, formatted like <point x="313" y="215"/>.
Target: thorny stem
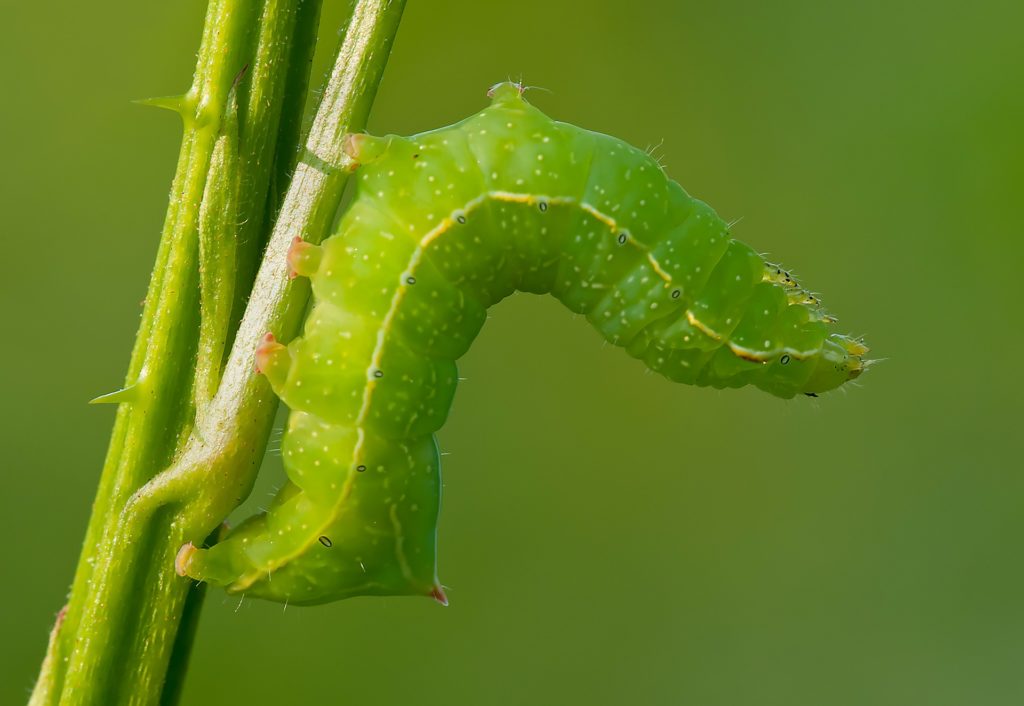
<point x="126" y="604"/>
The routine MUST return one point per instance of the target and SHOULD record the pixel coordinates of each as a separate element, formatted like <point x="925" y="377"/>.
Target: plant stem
<point x="126" y="602"/>
<point x="148" y="430"/>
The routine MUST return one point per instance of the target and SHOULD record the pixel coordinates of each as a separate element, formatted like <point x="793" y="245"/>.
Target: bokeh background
<point x="607" y="537"/>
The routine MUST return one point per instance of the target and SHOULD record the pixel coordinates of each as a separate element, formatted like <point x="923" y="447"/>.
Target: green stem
<point x="151" y="428"/>
<point x="181" y="652"/>
<point x="148" y="430"/>
<point x="126" y="602"/>
<point x="217" y="467"/>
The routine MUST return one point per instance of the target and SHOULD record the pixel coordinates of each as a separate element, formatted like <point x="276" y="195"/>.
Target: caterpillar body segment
<point x="442" y="226"/>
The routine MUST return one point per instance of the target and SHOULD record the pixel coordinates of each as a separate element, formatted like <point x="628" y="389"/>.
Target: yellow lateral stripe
<point x="694" y="321"/>
<point x="657" y="268"/>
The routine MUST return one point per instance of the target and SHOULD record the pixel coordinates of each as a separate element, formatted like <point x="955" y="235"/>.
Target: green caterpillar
<point x="442" y="226"/>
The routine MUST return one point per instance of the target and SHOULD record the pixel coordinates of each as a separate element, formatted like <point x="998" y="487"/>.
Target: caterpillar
<point x="441" y="226"/>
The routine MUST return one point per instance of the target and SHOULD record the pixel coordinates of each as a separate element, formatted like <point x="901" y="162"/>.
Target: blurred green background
<point x="607" y="537"/>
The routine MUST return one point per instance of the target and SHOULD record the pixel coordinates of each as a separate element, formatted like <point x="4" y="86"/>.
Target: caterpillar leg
<point x="365" y="149"/>
<point x="273" y="360"/>
<point x="303" y="258"/>
<point x="196" y="563"/>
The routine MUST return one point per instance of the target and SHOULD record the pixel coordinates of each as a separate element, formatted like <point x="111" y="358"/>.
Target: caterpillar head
<point x="841" y="360"/>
